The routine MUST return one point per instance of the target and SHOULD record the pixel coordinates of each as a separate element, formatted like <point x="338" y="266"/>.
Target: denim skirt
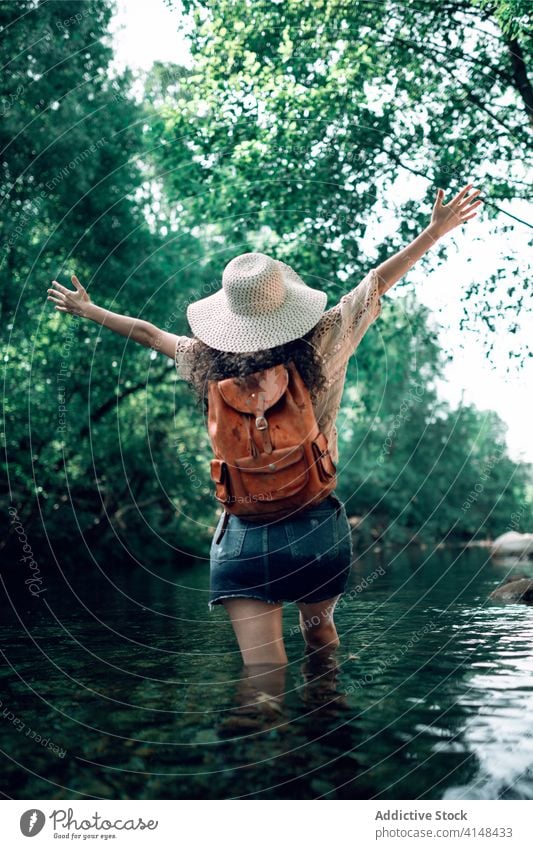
<point x="305" y="558"/>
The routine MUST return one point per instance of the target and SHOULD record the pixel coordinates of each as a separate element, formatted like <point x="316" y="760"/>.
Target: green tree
<point x="90" y="418"/>
<point x="289" y="134"/>
<point x="272" y="143"/>
<point x="411" y="467"/>
<point x="301" y="116"/>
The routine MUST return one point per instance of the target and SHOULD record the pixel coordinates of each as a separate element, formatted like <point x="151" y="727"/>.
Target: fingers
<point x="461" y="198"/>
<point x="464" y="203"/>
<point x="59" y="288"/>
<point x="462" y="192"/>
<point x="76" y="282"/>
<point x="469" y="207"/>
<point x="59" y="305"/>
<point x="58" y="295"/>
<point x="464" y="212"/>
<point x="53" y="295"/>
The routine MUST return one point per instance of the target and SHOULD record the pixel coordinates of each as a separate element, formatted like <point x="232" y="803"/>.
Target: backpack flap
<point x="272" y="477"/>
<point x="255" y="393"/>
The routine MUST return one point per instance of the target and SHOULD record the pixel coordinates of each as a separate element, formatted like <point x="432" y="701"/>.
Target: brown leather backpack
<point x="271" y="460"/>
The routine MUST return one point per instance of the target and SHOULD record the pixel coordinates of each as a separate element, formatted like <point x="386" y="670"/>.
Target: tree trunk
<point x="520" y="76"/>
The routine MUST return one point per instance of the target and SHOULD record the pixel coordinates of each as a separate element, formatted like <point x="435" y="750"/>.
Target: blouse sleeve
<point x="341" y="328"/>
<point x="184" y="357"/>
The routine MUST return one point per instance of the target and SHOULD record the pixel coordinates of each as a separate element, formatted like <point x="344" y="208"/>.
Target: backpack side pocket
<point x="325" y="466"/>
<point x="220" y="476"/>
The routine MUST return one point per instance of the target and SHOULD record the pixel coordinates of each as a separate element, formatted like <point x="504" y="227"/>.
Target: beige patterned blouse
<point x="337" y="336"/>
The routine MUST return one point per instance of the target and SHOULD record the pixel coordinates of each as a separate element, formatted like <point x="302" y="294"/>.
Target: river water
<point x="119" y="683"/>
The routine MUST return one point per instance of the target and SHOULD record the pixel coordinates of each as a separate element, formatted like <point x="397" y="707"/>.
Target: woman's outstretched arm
<point x="78" y="302"/>
<point x="445" y="217"/>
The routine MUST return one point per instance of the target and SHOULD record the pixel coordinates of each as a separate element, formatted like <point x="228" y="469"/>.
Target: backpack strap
<point x="223" y="527"/>
<point x="337" y="502"/>
<point x="252" y="447"/>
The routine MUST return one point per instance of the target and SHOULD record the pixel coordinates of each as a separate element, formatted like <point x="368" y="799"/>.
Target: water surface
<point x="119" y="683"/>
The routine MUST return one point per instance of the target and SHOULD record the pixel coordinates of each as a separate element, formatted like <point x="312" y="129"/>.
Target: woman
<point x="263" y="307"/>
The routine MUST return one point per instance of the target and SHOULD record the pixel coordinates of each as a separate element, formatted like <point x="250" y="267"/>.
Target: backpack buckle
<point x="261" y="423"/>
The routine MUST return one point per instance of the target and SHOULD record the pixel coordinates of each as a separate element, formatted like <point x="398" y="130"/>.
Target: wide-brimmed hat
<point x="262" y="303"/>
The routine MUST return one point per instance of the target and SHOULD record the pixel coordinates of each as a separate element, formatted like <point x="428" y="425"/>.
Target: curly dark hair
<point x="211" y="364"/>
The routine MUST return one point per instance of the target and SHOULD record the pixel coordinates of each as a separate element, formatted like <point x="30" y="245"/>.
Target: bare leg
<point x="259" y="630"/>
<point x="320" y="668"/>
<point x="259" y="701"/>
<point x="317" y="626"/>
<point x="265" y="678"/>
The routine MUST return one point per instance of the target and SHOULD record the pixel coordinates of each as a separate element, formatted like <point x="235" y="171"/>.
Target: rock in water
<point x="513" y="543"/>
<point x="520" y="590"/>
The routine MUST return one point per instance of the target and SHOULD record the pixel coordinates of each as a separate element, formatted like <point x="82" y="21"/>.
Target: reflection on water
<point x="119" y="683"/>
<point x="499" y="700"/>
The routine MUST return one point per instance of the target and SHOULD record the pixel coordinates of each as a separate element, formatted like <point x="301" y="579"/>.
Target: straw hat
<point x="262" y="303"/>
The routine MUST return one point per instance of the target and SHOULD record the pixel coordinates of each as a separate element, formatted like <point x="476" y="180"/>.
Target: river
<point x="119" y="683"/>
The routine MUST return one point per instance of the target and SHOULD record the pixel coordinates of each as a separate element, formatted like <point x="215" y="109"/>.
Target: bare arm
<point x="445" y="217"/>
<point x="79" y="303"/>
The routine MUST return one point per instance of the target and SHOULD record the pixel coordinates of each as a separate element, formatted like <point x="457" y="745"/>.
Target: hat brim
<point x="212" y="321"/>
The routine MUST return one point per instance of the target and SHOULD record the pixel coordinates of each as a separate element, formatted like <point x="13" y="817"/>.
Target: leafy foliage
<point x="86" y="411"/>
<point x="304" y="117"/>
<point x="276" y="140"/>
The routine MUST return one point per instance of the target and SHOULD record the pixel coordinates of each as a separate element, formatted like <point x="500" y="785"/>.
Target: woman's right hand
<point x="459" y="210"/>
<point x="66" y="300"/>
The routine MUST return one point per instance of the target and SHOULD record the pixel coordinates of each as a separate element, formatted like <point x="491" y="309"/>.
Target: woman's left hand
<point x="67" y="300"/>
<point x="447" y="216"/>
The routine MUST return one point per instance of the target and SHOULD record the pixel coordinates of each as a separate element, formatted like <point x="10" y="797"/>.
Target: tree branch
<point x="473" y="98"/>
<point x="107" y="406"/>
<point x="520" y="76"/>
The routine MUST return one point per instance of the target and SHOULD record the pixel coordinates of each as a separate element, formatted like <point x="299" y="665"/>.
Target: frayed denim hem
<point x="220" y="598"/>
<point x="340" y="593"/>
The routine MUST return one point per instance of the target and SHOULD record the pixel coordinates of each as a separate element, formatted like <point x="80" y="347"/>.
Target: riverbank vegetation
<point x="273" y="141"/>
